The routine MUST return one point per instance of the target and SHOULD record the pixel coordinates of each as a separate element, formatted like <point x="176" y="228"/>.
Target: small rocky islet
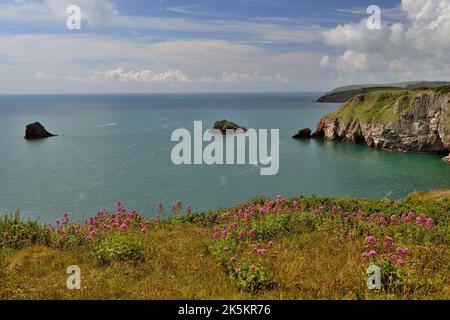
<point x="224" y="125"/>
<point x="36" y="130"/>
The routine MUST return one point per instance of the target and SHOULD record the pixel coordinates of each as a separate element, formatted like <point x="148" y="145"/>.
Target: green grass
<point x="312" y="250"/>
<point x="378" y="107"/>
<point x="384" y="106"/>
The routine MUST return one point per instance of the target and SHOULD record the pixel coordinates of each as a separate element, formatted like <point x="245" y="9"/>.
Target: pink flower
<point x="188" y="209"/>
<point x="372" y="253"/>
<point x="262" y="251"/>
<point x="237" y="270"/>
<point x="89" y="238"/>
<point x="270" y="244"/>
<point x="224" y="233"/>
<point x="429" y="223"/>
<point x="383" y="221"/>
<point x="215" y="235"/>
<point x="401" y="250"/>
<point x="420" y="219"/>
<point x="251" y="232"/>
<point x="143" y="230"/>
<point x="387" y="242"/>
<point x="400" y="262"/>
<point x="123" y="226"/>
<point x="370" y="241"/>
<point x="93" y="233"/>
<point x="241" y="234"/>
<point x="394" y="218"/>
<point x="254" y="247"/>
<point x="392" y="256"/>
<point x="404" y="218"/>
<point x="365" y="255"/>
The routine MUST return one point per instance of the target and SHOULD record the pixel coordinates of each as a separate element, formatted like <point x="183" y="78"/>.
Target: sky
<point x="130" y="46"/>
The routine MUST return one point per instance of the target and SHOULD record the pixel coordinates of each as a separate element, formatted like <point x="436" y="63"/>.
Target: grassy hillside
<point x="343" y="94"/>
<point x="385" y="106"/>
<point x="296" y="248"/>
<point x="379" y="107"/>
<point x="400" y="85"/>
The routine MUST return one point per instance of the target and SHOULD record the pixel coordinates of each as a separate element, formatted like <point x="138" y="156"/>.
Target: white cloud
<point x="228" y="77"/>
<point x="325" y="61"/>
<point x="143" y="76"/>
<point x="45" y="76"/>
<point x="352" y="61"/>
<point x="414" y="49"/>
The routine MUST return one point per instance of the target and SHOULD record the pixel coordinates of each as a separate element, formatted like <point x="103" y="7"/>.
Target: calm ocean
<point x="117" y="147"/>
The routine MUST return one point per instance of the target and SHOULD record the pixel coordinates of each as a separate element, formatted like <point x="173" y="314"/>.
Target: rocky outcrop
<point x="303" y="134"/>
<point x="224" y="125"/>
<point x="410" y="121"/>
<point x="37" y="131"/>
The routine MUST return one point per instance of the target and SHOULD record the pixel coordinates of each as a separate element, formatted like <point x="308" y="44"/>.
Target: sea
<point x="117" y="147"/>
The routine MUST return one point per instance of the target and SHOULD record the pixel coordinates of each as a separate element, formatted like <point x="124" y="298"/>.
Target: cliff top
<point x="382" y="106"/>
<point x="343" y="94"/>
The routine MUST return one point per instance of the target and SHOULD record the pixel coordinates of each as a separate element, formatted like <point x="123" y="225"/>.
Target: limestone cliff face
<point x="415" y="121"/>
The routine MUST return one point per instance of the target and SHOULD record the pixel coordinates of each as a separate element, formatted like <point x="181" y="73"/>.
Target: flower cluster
<point x="406" y="218"/>
<point x="384" y="249"/>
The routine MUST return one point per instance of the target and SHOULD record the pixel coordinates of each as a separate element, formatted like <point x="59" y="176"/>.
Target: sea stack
<point x="303" y="134"/>
<point x="37" y="131"/>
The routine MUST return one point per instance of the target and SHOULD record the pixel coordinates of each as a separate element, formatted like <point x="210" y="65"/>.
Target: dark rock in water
<point x="224" y="125"/>
<point x="37" y="131"/>
<point x="303" y="134"/>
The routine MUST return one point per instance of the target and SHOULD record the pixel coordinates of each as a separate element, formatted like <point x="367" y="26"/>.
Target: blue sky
<point x="211" y="45"/>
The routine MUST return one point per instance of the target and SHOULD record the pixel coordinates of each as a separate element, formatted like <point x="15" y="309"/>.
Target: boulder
<point x="37" y="131"/>
<point x="224" y="125"/>
<point x="303" y="134"/>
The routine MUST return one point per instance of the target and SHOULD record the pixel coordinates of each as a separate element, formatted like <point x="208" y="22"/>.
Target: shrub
<point x="16" y="233"/>
<point x="118" y="246"/>
<point x="252" y="277"/>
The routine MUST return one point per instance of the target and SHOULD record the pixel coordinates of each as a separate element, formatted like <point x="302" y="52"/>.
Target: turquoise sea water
<point x="117" y="147"/>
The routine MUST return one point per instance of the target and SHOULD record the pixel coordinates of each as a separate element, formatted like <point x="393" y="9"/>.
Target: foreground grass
<point x="312" y="253"/>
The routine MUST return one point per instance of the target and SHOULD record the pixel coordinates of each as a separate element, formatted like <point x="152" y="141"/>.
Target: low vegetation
<point x="284" y="248"/>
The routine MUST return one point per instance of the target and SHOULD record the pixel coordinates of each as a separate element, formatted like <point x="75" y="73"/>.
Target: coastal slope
<point x="343" y="94"/>
<point x="285" y="248"/>
<point x="401" y="120"/>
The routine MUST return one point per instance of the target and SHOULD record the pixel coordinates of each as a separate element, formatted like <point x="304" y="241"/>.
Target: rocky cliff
<point x="407" y="120"/>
